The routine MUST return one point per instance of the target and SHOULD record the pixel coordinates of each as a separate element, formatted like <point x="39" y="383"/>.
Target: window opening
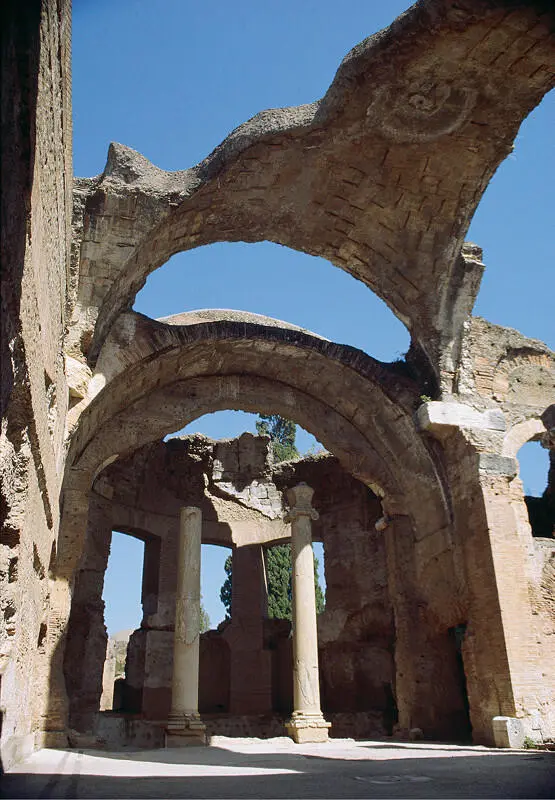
<point x="212" y="577"/>
<point x="534" y="468"/>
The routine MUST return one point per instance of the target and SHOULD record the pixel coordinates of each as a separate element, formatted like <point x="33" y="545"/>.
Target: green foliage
<point x="278" y="572"/>
<point x="204" y="618"/>
<point x="320" y="599"/>
<point x="529" y="744"/>
<point x="282" y="433"/>
<point x="121" y="658"/>
<point x="225" y="591"/>
<point x="278" y="575"/>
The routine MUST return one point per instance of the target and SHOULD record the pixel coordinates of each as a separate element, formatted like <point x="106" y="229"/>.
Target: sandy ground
<point x="278" y="768"/>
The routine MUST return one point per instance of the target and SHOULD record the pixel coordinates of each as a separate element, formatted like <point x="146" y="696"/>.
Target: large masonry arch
<point x="153" y="377"/>
<point x="380" y="181"/>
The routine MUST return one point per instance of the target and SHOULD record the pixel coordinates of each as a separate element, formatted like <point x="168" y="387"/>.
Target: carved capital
<point x="300" y="500"/>
<point x="296" y="513"/>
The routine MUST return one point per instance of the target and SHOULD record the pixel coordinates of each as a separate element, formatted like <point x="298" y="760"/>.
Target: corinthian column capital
<point x="300" y="502"/>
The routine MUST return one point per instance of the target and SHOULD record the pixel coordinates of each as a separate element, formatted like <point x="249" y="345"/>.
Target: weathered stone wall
<point x="501" y="364"/>
<point x="543" y="605"/>
<point x="85" y="650"/>
<point x="36" y="227"/>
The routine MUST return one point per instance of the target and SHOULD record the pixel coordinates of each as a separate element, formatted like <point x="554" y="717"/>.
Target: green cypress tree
<point x="225" y="591"/>
<point x="279" y="570"/>
<point x="278" y="573"/>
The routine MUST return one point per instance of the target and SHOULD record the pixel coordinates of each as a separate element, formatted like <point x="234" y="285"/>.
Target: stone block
<point x="494" y="464"/>
<point x="185" y="739"/>
<point x="435" y="415"/>
<point x="508" y="732"/>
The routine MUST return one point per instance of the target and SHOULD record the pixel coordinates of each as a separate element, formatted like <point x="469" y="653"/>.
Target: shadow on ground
<point x="216" y="772"/>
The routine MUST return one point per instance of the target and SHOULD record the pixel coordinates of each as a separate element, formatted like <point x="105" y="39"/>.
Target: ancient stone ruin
<point x="440" y="613"/>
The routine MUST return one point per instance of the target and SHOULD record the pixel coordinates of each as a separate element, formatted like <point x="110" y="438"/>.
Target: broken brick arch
<point x="381" y="176"/>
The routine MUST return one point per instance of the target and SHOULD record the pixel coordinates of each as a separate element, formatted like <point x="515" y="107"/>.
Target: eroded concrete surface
<point x="281" y="769"/>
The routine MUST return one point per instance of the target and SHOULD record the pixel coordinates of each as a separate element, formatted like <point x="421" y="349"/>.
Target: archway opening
<point x="213" y="371"/>
<point x="214" y="653"/>
<point x="534" y="464"/>
<point x="212" y="576"/>
<point x="306" y="291"/>
<point x="123" y="578"/>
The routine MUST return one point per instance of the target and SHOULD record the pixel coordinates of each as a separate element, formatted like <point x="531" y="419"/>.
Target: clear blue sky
<point x="171" y="78"/>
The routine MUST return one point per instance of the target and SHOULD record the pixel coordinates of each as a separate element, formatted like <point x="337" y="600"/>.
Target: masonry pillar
<point x="250" y="667"/>
<point x="86" y="637"/>
<point x="307" y="723"/>
<point x="501" y="646"/>
<point x="184" y="723"/>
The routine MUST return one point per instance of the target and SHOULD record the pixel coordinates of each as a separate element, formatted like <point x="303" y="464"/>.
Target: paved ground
<point x="277" y="768"/>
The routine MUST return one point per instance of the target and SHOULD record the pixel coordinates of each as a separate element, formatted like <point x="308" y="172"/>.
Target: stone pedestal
<point x="307" y="723"/>
<point x="185" y="726"/>
<point x="303" y="727"/>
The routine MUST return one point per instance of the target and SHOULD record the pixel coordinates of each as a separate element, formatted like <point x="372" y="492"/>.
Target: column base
<point x="304" y="728"/>
<point x="185" y="730"/>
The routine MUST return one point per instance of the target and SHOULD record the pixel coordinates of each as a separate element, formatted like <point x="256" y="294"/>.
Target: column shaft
<point x="306" y="686"/>
<point x="307" y="723"/>
<point x="184" y="720"/>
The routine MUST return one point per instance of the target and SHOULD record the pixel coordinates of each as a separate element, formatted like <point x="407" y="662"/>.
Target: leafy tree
<point x="282" y="433"/>
<point x="278" y="573"/>
<point x="204" y="618"/>
<point x="320" y="599"/>
<point x="225" y="591"/>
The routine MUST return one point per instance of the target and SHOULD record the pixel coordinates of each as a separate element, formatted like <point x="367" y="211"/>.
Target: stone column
<point x="184" y="723"/>
<point x="307" y="723"/>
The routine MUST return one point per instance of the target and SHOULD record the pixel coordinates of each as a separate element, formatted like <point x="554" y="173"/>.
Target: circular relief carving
<point x="421" y="110"/>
